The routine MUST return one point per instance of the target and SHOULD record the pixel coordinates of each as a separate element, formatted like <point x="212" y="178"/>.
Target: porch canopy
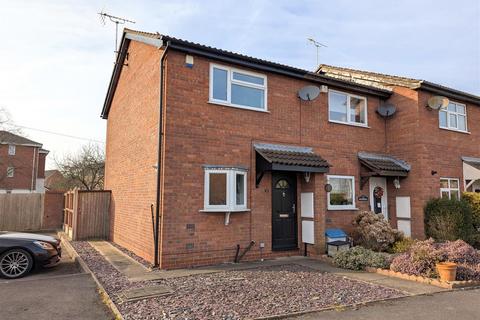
<point x="275" y="157"/>
<point x="471" y="170"/>
<point x="381" y="165"/>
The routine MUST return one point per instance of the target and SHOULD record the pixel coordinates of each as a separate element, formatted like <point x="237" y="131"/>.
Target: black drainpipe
<point x="159" y="158"/>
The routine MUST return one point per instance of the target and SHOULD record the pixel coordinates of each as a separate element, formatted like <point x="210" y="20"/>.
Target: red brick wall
<point x="200" y="133"/>
<point x="22" y="161"/>
<point x="41" y="165"/>
<point x="132" y="132"/>
<point x="53" y="210"/>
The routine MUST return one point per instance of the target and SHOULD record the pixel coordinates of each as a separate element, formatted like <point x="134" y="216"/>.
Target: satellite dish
<point x="309" y="93"/>
<point x="437" y="102"/>
<point x="386" y="110"/>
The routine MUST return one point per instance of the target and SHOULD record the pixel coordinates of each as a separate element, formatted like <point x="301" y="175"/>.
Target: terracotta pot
<point x="447" y="271"/>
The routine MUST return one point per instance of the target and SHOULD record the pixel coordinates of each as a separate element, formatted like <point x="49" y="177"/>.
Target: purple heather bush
<point x="419" y="260"/>
<point x="422" y="257"/>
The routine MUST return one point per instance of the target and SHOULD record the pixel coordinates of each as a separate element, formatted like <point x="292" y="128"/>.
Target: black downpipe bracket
<point x="159" y="158"/>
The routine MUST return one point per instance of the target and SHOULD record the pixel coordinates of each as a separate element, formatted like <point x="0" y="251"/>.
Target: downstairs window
<point x="450" y="188"/>
<point x="225" y="189"/>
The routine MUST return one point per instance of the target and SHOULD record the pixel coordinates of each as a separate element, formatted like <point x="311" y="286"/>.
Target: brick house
<point x="22" y="164"/>
<point x="244" y="162"/>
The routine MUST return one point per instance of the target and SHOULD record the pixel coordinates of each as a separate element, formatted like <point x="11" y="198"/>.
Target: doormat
<point x="144" y="293"/>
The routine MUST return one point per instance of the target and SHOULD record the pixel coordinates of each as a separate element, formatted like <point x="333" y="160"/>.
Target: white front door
<point x="378" y="195"/>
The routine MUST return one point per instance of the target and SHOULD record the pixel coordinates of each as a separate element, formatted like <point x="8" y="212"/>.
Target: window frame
<point x="10" y="172"/>
<point x="449" y="189"/>
<point x="342" y="207"/>
<point x="349" y="96"/>
<point x="10" y="148"/>
<point x="230" y="81"/>
<point x="231" y="189"/>
<point x="457" y="114"/>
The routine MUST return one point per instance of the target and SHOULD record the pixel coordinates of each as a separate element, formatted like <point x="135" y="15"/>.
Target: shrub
<point x="460" y="252"/>
<point x="358" y="258"/>
<point x="403" y="245"/>
<point x="420" y="260"/>
<point x="473" y="200"/>
<point x="468" y="272"/>
<point x="422" y="257"/>
<point x="373" y="232"/>
<point x="449" y="220"/>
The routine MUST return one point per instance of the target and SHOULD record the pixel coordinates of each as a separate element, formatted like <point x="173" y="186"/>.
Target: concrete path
<point x="460" y="305"/>
<point x="135" y="271"/>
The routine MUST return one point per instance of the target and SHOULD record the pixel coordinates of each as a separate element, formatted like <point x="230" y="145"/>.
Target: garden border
<point x="433" y="282"/>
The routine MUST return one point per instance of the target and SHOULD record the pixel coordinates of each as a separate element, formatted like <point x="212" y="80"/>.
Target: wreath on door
<point x="378" y="192"/>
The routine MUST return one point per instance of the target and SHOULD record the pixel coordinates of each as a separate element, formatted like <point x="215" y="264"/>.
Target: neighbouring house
<point x="22" y="164"/>
<point x="55" y="181"/>
<point x="224" y="147"/>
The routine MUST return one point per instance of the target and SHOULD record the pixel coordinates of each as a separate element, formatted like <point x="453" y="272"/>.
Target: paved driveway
<point x="62" y="292"/>
<point x="460" y="305"/>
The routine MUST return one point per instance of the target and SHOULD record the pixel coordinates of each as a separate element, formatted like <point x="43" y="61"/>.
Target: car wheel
<point x="15" y="263"/>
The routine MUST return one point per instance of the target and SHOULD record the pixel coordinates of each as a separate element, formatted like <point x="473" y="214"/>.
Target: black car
<point x="20" y="252"/>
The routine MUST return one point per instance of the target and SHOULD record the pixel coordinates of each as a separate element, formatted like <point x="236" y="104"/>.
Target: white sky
<point x="56" y="58"/>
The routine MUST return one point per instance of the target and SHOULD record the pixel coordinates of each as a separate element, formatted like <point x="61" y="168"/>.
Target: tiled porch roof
<point x="291" y="156"/>
<point x="384" y="165"/>
<point x="474" y="162"/>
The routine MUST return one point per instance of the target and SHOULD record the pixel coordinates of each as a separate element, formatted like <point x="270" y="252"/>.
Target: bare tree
<point x="85" y="169"/>
<point x="6" y="122"/>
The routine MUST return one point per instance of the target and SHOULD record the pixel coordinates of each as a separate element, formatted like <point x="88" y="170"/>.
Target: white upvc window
<point x="225" y="189"/>
<point x="450" y="188"/>
<point x="453" y="117"/>
<point x="238" y="88"/>
<point x="342" y="195"/>
<point x="10" y="172"/>
<point x="347" y="108"/>
<point x="11" y="149"/>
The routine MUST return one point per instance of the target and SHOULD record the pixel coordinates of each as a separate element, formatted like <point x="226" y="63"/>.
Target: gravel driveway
<point x="241" y="294"/>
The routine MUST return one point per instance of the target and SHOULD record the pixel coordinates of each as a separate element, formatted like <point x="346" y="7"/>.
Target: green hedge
<point x="449" y="220"/>
<point x="473" y="200"/>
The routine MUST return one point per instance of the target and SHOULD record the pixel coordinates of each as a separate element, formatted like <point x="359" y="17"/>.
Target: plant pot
<point x="447" y="271"/>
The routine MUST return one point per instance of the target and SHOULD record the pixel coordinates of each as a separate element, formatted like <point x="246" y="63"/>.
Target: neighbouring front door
<point x="378" y="195"/>
<point x="284" y="214"/>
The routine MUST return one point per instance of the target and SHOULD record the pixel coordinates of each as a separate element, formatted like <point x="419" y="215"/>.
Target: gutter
<point x="159" y="158"/>
<point x="273" y="67"/>
<point x="449" y="92"/>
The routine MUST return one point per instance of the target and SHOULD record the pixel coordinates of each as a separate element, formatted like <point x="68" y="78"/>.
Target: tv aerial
<point x="318" y="45"/>
<point x="117" y="20"/>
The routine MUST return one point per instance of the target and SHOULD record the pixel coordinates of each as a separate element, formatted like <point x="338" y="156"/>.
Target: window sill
<point x="343" y="209"/>
<point x="455" y="130"/>
<point x="350" y="124"/>
<point x="226" y="104"/>
<point x="223" y="210"/>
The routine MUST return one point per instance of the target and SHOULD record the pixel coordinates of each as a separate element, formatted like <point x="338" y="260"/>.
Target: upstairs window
<point x="236" y="88"/>
<point x="450" y="188"/>
<point x="347" y="108"/>
<point x="11" y="150"/>
<point x="454" y="117"/>
<point x="10" y="172"/>
<point x="225" y="189"/>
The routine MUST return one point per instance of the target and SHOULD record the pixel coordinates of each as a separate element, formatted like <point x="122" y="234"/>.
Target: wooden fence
<point x="21" y="212"/>
<point x="87" y="214"/>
